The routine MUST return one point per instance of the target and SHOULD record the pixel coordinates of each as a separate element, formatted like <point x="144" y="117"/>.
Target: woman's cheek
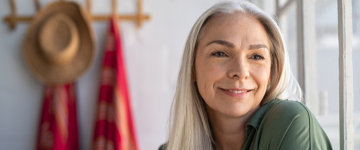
<point x="261" y="69"/>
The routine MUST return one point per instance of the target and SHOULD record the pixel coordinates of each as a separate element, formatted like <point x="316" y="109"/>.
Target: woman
<point x="234" y="71"/>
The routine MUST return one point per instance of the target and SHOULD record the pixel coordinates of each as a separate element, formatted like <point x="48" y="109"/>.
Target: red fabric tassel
<point x="114" y="127"/>
<point x="58" y="128"/>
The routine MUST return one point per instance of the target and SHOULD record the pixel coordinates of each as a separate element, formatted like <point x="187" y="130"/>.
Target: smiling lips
<point x="238" y="93"/>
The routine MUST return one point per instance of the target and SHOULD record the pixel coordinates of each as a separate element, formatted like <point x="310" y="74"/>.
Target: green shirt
<point x="284" y="125"/>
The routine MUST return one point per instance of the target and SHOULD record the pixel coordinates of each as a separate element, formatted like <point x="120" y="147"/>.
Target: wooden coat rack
<point x="139" y="17"/>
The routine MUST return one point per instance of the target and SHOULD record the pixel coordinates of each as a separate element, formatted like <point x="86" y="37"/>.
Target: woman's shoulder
<point x="288" y="109"/>
<point x="290" y="123"/>
<point x="283" y="114"/>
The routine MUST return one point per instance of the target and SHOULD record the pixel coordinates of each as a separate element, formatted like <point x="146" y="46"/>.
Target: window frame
<point x="346" y="101"/>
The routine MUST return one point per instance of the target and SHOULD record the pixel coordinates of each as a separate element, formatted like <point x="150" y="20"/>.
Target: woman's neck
<point x="229" y="132"/>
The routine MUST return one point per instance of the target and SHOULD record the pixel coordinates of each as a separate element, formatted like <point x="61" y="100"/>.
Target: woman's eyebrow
<point x="257" y="46"/>
<point x="222" y="42"/>
<point x="231" y="45"/>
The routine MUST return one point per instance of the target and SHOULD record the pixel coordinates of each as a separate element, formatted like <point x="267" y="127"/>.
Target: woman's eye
<point x="219" y="54"/>
<point x="257" y="57"/>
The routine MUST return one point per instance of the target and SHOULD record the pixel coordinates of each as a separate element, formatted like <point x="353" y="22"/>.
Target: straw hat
<point x="59" y="43"/>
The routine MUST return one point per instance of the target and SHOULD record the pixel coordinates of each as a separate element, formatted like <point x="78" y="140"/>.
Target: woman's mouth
<point x="238" y="93"/>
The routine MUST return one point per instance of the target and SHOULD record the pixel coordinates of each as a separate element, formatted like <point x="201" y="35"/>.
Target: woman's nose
<point x="238" y="69"/>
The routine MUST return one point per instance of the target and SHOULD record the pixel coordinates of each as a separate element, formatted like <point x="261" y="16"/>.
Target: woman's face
<point x="232" y="64"/>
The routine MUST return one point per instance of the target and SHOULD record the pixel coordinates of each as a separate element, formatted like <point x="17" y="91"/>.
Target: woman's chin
<point x="237" y="111"/>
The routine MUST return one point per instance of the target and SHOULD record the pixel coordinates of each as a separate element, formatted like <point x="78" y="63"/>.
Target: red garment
<point x="58" y="125"/>
<point x="114" y="127"/>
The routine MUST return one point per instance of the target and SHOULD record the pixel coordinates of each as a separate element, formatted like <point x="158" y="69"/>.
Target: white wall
<point x="152" y="54"/>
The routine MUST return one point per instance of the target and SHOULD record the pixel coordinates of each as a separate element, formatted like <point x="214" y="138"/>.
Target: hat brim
<point x="55" y="74"/>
